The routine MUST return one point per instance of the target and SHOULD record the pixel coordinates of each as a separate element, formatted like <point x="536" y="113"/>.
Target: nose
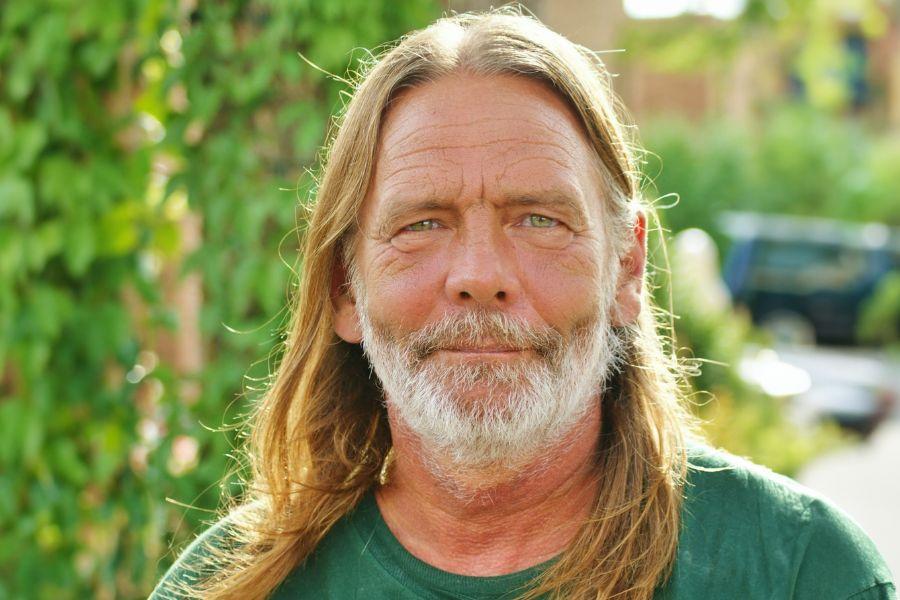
<point x="483" y="269"/>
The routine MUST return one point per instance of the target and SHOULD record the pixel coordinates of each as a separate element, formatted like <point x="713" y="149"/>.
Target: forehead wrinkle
<point x="560" y="178"/>
<point x="544" y="147"/>
<point x="420" y="188"/>
<point x="441" y="148"/>
<point x="546" y="136"/>
<point x="421" y="167"/>
<point x="431" y="127"/>
<point x="564" y="166"/>
<point x="413" y="173"/>
<point x="549" y="127"/>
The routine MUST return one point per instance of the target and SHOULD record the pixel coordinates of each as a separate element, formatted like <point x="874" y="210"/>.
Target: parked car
<point x="854" y="387"/>
<point x="806" y="279"/>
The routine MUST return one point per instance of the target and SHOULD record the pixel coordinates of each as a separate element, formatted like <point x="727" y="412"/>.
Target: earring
<point x="385" y="473"/>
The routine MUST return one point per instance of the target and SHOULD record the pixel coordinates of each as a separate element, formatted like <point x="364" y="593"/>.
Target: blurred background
<point x="152" y="157"/>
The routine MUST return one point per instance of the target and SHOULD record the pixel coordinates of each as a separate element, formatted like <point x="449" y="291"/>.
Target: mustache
<point x="473" y="329"/>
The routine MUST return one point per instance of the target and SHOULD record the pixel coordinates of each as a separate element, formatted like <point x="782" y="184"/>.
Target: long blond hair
<point x="319" y="436"/>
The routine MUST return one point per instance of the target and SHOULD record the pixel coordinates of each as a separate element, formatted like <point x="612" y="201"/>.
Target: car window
<point x="802" y="267"/>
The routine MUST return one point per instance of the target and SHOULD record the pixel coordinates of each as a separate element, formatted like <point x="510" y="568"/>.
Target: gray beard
<point x="476" y="415"/>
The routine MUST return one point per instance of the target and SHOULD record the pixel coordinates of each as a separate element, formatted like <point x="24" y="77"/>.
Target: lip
<point x="484" y="352"/>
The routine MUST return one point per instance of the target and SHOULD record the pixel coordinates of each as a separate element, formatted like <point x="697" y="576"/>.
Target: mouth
<point x="485" y="345"/>
<point x="482" y="352"/>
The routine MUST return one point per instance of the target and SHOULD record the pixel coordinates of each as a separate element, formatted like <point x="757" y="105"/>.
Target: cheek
<point x="403" y="288"/>
<point x="564" y="285"/>
<point x="552" y="239"/>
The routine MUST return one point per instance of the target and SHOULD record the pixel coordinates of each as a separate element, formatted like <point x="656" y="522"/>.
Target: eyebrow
<point x="397" y="209"/>
<point x="553" y="199"/>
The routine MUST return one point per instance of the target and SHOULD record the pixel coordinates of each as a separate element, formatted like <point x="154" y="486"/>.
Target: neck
<point x="490" y="520"/>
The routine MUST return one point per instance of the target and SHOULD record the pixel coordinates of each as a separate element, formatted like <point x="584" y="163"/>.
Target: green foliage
<point x="879" y="321"/>
<point x="807" y="36"/>
<point x="121" y="123"/>
<point x="682" y="44"/>
<point x="795" y="161"/>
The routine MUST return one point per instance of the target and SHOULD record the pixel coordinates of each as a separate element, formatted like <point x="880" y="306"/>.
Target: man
<point x="473" y="400"/>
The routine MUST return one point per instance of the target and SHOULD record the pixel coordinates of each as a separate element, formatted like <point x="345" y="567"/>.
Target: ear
<point x="346" y="319"/>
<point x="631" y="275"/>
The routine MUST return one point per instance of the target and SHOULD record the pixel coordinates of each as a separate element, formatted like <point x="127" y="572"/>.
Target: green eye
<point x="425" y="225"/>
<point x="540" y="221"/>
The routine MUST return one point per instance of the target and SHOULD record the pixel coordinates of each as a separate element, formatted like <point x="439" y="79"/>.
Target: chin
<point x="482" y="399"/>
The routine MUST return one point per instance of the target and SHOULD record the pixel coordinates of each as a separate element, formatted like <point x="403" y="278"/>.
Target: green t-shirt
<point x="747" y="533"/>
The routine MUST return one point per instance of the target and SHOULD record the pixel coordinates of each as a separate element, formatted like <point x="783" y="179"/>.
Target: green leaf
<point x="11" y="252"/>
<point x="80" y="247"/>
<point x="99" y="56"/>
<point x="19" y="80"/>
<point x="33" y="437"/>
<point x="45" y="242"/>
<point x="49" y="309"/>
<point x="253" y="83"/>
<point x="18" y="14"/>
<point x="120" y="229"/>
<point x="12" y="414"/>
<point x="331" y="47"/>
<point x="167" y="238"/>
<point x="108" y="445"/>
<point x="66" y="462"/>
<point x="55" y="175"/>
<point x="16" y="200"/>
<point x="7" y="139"/>
<point x="30" y="138"/>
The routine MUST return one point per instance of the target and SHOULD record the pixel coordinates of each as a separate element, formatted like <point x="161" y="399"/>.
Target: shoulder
<point x="193" y="564"/>
<point x="742" y="517"/>
<point x="715" y="473"/>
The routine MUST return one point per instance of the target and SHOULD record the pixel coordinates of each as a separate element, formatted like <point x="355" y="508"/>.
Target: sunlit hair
<point x="319" y="436"/>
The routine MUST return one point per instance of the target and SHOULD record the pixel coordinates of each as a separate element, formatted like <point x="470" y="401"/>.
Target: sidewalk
<point x="864" y="480"/>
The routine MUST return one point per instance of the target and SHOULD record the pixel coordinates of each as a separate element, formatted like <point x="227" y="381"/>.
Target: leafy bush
<point x="127" y="131"/>
<point x="792" y="161"/>
<point x="879" y="321"/>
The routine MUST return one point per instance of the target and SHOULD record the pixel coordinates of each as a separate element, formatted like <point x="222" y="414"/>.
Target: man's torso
<point x="746" y="533"/>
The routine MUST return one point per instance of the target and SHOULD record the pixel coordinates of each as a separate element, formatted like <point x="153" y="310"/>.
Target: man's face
<point x="483" y="276"/>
